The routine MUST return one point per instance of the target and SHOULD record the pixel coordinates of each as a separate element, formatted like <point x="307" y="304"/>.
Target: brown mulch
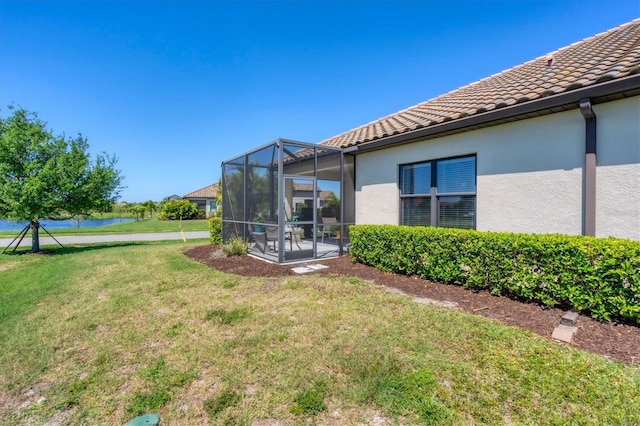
<point x="619" y="342"/>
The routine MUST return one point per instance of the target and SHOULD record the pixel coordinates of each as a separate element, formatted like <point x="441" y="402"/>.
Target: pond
<point x="6" y="225"/>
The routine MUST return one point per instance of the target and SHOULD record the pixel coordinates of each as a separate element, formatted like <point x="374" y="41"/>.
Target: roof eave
<point x="626" y="86"/>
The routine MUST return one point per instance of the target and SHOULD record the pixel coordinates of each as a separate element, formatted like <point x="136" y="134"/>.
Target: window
<point x="439" y="193"/>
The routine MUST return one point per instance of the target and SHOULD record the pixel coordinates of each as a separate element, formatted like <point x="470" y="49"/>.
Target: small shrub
<point x="178" y="209"/>
<point x="236" y="246"/>
<point x="215" y="230"/>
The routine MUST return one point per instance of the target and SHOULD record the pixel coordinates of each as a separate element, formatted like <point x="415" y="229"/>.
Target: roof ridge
<point x="213" y="187"/>
<point x="370" y="130"/>
<point x="505" y="71"/>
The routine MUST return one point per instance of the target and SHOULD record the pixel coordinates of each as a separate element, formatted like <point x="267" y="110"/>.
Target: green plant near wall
<point x="258" y="223"/>
<point x="215" y="230"/>
<point x="600" y="276"/>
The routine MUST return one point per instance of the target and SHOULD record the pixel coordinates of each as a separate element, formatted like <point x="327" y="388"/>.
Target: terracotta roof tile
<point x="610" y="55"/>
<point x="209" y="191"/>
<point x="303" y="187"/>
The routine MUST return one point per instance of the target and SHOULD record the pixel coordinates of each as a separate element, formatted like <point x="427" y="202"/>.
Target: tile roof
<point x="308" y="187"/>
<point x="209" y="191"/>
<point x="303" y="187"/>
<point x="610" y="55"/>
<point x="325" y="195"/>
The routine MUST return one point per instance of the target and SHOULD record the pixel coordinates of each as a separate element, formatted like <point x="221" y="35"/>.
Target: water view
<point x="6" y="225"/>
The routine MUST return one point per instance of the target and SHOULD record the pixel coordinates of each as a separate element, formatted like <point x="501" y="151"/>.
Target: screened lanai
<point x="290" y="200"/>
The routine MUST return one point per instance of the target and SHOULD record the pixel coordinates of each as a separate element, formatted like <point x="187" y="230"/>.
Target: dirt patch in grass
<point x="620" y="342"/>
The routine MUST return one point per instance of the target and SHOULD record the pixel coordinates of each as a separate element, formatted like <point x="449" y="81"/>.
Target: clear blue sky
<point x="173" y="88"/>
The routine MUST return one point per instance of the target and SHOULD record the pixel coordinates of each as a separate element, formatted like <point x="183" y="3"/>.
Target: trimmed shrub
<point x="178" y="209"/>
<point x="215" y="230"/>
<point x="599" y="276"/>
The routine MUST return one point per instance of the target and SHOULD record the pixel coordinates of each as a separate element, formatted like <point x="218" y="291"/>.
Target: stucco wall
<point x="529" y="174"/>
<point x="618" y="169"/>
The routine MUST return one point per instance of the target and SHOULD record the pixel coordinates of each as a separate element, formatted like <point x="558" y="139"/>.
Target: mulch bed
<point x="616" y="341"/>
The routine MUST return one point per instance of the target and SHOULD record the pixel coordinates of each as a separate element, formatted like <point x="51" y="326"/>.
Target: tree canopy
<point x="48" y="176"/>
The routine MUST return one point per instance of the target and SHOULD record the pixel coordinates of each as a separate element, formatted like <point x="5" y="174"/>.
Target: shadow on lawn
<point x="70" y="249"/>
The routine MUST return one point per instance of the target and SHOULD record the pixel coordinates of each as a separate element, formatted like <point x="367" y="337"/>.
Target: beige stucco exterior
<point x="530" y="173"/>
<point x="618" y="171"/>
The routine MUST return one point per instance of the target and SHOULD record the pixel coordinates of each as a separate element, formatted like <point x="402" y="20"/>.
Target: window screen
<point x="452" y="182"/>
<point x="416" y="211"/>
<point x="456" y="175"/>
<point x="415" y="178"/>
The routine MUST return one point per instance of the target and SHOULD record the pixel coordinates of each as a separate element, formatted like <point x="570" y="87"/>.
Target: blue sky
<point x="173" y="88"/>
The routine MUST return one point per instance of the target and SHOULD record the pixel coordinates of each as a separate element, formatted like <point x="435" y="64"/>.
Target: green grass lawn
<point x="100" y="334"/>
<point x="131" y="227"/>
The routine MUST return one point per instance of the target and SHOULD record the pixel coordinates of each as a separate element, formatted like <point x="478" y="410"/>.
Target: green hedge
<point x="597" y="276"/>
<point x="215" y="230"/>
<point x="178" y="209"/>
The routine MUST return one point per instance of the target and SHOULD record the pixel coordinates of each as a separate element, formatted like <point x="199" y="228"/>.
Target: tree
<point x="139" y="210"/>
<point x="331" y="206"/>
<point x="150" y="205"/>
<point x="136" y="209"/>
<point x="45" y="176"/>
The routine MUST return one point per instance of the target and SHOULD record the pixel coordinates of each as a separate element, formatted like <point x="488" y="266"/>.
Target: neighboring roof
<point x="173" y="197"/>
<point x="308" y="187"/>
<point x="325" y="195"/>
<point x="210" y="191"/>
<point x="303" y="187"/>
<point x="596" y="61"/>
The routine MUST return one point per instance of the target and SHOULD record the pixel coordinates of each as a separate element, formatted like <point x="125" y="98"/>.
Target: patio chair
<point x="325" y="227"/>
<point x="293" y="234"/>
<point x="271" y="233"/>
<point x="258" y="237"/>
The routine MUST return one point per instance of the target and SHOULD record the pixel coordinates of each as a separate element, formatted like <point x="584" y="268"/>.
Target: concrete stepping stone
<point x="564" y="333"/>
<point x="308" y="268"/>
<point x="567" y="329"/>
<point x="570" y="318"/>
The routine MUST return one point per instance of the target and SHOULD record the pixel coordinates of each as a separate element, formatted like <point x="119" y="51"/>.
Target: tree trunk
<point x="35" y="237"/>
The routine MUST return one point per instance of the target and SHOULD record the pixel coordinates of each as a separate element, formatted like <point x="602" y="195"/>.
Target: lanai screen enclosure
<point x="291" y="200"/>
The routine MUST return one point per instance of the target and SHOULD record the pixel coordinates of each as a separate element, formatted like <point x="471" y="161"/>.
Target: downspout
<point x="589" y="195"/>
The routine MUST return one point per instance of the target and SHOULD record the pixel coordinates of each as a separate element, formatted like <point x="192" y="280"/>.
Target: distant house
<point x="173" y="197"/>
<point x="303" y="194"/>
<point x="204" y="198"/>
